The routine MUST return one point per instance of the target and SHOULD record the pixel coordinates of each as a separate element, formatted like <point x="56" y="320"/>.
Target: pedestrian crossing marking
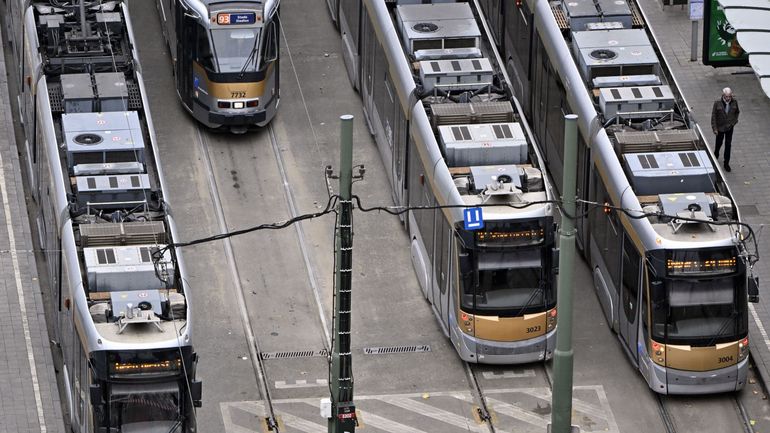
<point x="507" y="374"/>
<point x="528" y="409"/>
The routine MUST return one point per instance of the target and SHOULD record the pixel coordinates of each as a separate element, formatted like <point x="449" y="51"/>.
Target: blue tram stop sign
<point x="473" y="218"/>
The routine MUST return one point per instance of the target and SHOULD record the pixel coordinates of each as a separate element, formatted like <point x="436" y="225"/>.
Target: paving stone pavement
<point x="29" y="397"/>
<point x="750" y="161"/>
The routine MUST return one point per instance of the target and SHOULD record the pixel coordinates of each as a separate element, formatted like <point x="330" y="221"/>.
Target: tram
<point x="122" y="314"/>
<point x="225" y="59"/>
<point x="671" y="267"/>
<point x="452" y="136"/>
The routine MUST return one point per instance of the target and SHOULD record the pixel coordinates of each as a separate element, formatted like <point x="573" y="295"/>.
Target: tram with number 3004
<point x="452" y="137"/>
<point x="671" y="261"/>
<point x="121" y="311"/>
<point x="225" y="59"/>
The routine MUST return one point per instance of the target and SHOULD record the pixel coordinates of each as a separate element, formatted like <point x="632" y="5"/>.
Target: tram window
<point x="630" y="279"/>
<point x="271" y="46"/>
<point x="234" y="49"/>
<point x="203" y="52"/>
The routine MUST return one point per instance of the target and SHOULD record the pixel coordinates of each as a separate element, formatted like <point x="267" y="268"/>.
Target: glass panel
<point x="235" y="49"/>
<point x="503" y="289"/>
<point x="145" y="407"/>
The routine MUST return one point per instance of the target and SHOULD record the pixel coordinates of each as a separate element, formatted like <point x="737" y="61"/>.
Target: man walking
<point x="724" y="116"/>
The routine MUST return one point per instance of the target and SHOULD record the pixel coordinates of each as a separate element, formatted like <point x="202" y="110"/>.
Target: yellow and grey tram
<point x="452" y="136"/>
<point x="225" y="58"/>
<point x="671" y="264"/>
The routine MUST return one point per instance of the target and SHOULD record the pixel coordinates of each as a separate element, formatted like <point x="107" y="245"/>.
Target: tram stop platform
<point x="29" y="397"/>
<point x="750" y="161"/>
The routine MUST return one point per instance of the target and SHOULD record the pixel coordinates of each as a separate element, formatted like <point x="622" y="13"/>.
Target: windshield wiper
<point x="250" y="58"/>
<point x="531" y="298"/>
<point x="177" y="423"/>
<point x="723" y="328"/>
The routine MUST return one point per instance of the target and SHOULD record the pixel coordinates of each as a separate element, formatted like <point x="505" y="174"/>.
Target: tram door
<point x="629" y="296"/>
<point x="185" y="49"/>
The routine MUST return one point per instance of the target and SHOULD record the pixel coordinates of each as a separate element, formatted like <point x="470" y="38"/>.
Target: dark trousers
<point x="728" y="138"/>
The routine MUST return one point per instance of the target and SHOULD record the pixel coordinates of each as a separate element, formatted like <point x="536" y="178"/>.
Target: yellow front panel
<point x="702" y="358"/>
<point x="245" y="90"/>
<point x="496" y="328"/>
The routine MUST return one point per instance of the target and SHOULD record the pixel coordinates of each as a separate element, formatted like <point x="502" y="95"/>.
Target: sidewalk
<point x="29" y="401"/>
<point x="701" y="86"/>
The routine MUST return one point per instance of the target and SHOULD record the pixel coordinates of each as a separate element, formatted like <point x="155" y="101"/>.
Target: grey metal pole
<point x="561" y="417"/>
<point x="83" y="23"/>
<point x="343" y="418"/>
<point x="694" y="42"/>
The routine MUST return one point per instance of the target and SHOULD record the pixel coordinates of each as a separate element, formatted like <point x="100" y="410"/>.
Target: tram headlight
<point x="551" y="321"/>
<point x="238" y="105"/>
<point x="466" y="323"/>
<point x="658" y="352"/>
<point x="743" y="349"/>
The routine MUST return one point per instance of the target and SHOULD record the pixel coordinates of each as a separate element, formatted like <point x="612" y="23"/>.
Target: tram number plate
<point x="225" y="19"/>
<point x="240" y="94"/>
<point x="725" y="359"/>
<point x="533" y="329"/>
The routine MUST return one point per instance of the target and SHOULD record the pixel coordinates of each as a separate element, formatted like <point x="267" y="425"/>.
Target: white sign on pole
<point x="696" y="10"/>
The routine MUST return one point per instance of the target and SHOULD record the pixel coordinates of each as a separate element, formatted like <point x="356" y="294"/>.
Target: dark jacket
<point x="721" y="121"/>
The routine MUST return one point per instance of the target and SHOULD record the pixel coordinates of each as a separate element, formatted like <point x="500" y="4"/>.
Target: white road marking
<point x="281" y="384"/>
<point x="390" y="426"/>
<point x="22" y="302"/>
<point x="518" y="413"/>
<point x="507" y="374"/>
<point x="435" y="413"/>
<point x="759" y="325"/>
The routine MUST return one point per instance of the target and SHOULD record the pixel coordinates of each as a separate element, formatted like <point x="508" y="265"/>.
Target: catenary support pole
<point x="694" y="42"/>
<point x="561" y="417"/>
<point x="343" y="419"/>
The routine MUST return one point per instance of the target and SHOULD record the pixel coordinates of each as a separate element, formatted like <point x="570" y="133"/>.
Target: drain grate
<point x="396" y="349"/>
<point x="294" y="354"/>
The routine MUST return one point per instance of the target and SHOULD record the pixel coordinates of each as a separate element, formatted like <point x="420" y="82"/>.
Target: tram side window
<point x="605" y="231"/>
<point x="420" y="195"/>
<point x="270" y="53"/>
<point x="203" y="53"/>
<point x="631" y="272"/>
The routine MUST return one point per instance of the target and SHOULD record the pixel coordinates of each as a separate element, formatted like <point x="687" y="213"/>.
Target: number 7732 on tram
<point x="225" y="57"/>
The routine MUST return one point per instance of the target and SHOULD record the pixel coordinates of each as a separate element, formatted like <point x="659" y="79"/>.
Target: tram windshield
<point x="705" y="300"/>
<point x="145" y="408"/>
<point x="505" y="284"/>
<point x="236" y="49"/>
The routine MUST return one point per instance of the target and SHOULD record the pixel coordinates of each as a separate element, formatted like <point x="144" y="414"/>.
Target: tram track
<point x="253" y="342"/>
<point x="671" y="406"/>
<point x="271" y="419"/>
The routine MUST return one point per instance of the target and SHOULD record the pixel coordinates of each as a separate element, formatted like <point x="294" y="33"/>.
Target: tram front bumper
<point x="472" y="349"/>
<point x="671" y="381"/>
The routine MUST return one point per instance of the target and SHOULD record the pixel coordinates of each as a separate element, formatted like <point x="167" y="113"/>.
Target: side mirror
<point x="196" y="392"/>
<point x="753" y="289"/>
<point x="95" y="394"/>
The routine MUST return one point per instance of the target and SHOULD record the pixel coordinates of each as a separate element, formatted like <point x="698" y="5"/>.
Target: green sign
<point x="720" y="44"/>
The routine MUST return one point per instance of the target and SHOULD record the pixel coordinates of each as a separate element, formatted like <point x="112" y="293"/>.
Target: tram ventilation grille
<point x="464" y="113"/>
<point x="396" y="349"/>
<point x="656" y="141"/>
<point x="134" y="96"/>
<point x="294" y="354"/>
<point x="56" y="97"/>
<point x="560" y="16"/>
<point x="636" y="16"/>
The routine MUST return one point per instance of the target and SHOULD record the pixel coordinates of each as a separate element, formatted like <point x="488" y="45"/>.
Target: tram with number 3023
<point x="452" y="137"/>
<point x="672" y="263"/>
<point x="121" y="308"/>
<point x="225" y="59"/>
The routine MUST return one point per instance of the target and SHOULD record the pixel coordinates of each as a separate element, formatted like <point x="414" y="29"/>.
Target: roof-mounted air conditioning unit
<point x="435" y="27"/>
<point x="635" y="102"/>
<point x="125" y="233"/>
<point x="108" y="192"/>
<point x="483" y="144"/>
<point x="98" y="138"/>
<point x="460" y="74"/>
<point x="614" y="53"/>
<point x="126" y="268"/>
<point x="670" y="172"/>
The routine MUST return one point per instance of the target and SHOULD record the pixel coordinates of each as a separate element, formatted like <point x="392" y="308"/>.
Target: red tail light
<point x="252" y="103"/>
<point x="223" y="104"/>
<point x="553" y="312"/>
